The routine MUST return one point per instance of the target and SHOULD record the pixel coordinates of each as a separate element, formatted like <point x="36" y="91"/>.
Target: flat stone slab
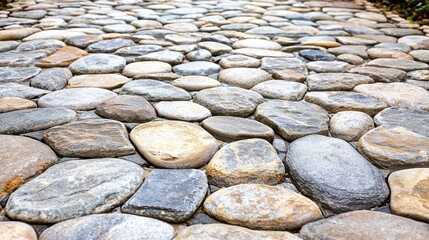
<point x="98" y="63"/>
<point x="17" y="74"/>
<point x="200" y="68"/>
<point x="408" y="197"/>
<point x="332" y="173"/>
<point x="30" y="120"/>
<point x="8" y="104"/>
<point x="229" y="101"/>
<point x="17" y="230"/>
<point x="51" y="79"/>
<point x="90" y="138"/>
<point x="178" y="195"/>
<point x="75" y="188"/>
<point x="229" y="129"/>
<point x="243" y="77"/>
<point x="20" y="91"/>
<point x="395" y="148"/>
<point x="278" y="89"/>
<point x="365" y="225"/>
<point x="126" y="108"/>
<point x="245" y="161"/>
<point x="182" y="110"/>
<point x="293" y="120"/>
<point x="288" y="210"/>
<point x="336" y="81"/>
<point x="112" y="226"/>
<point x="106" y="81"/>
<point x="397" y="94"/>
<point x="155" y="91"/>
<point x="79" y="99"/>
<point x="195" y="83"/>
<point x="21" y="158"/>
<point x="412" y="119"/>
<point x="337" y="101"/>
<point x="405" y="65"/>
<point x="217" y="231"/>
<point x="174" y="144"/>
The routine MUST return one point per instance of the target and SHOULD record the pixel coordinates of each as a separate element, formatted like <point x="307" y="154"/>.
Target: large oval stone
<point x="80" y="99"/>
<point x="293" y="120"/>
<point x="260" y="206"/>
<point x="331" y="172"/>
<point x="174" y="144"/>
<point x="11" y="230"/>
<point x="243" y="77"/>
<point x="155" y="91"/>
<point x="109" y="227"/>
<point x="90" y="138"/>
<point x="219" y="231"/>
<point x="365" y="225"/>
<point x="98" y="63"/>
<point x="21" y="158"/>
<point x="395" y="148"/>
<point x="412" y="119"/>
<point x="245" y="161"/>
<point x="75" y="188"/>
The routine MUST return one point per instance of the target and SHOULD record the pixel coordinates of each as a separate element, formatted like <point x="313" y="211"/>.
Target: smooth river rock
<point x="412" y="119"/>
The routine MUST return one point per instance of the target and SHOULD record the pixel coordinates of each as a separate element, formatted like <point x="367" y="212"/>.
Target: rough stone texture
<point x="218" y="231"/>
<point x="20" y="91"/>
<point x="17" y="230"/>
<point x="393" y="148"/>
<point x="182" y="110"/>
<point x="365" y="225"/>
<point x="293" y="120"/>
<point x="106" y="81"/>
<point x="21" y="159"/>
<point x="126" y="108"/>
<point x="169" y="195"/>
<point x="350" y="125"/>
<point x="98" y="63"/>
<point x="75" y="188"/>
<point x="245" y="161"/>
<point x="29" y="120"/>
<point x="109" y="227"/>
<point x="336" y="81"/>
<point x="17" y="74"/>
<point x="8" y="104"/>
<point x="284" y="90"/>
<point x="409" y="193"/>
<point x="62" y="58"/>
<point x="52" y="79"/>
<point x="258" y="206"/>
<point x="174" y="144"/>
<point x="243" y="77"/>
<point x="155" y="91"/>
<point x="195" y="83"/>
<point x="332" y="173"/>
<point x="412" y="119"/>
<point x="90" y="138"/>
<point x="229" y="129"/>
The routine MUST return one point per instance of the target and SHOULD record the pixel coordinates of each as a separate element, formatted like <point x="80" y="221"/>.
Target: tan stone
<point x="8" y="104"/>
<point x="289" y="75"/>
<point x="21" y="158"/>
<point x="387" y="53"/>
<point x="219" y="231"/>
<point x="17" y="231"/>
<point x="17" y="34"/>
<point x="395" y="148"/>
<point x="260" y="206"/>
<point x="62" y="58"/>
<point x="410" y="193"/>
<point x="107" y="81"/>
<point x="174" y="144"/>
<point x="139" y="68"/>
<point x="327" y="44"/>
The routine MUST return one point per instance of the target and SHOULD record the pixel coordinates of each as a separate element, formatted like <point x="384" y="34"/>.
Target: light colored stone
<point x="182" y="110"/>
<point x="8" y="104"/>
<point x="107" y="81"/>
<point x="243" y="77"/>
<point x="17" y="230"/>
<point x="350" y="125"/>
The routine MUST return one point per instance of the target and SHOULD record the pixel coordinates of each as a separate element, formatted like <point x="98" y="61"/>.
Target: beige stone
<point x="107" y="81"/>
<point x="8" y="104"/>
<point x="17" y="231"/>
<point x="17" y="34"/>
<point x="140" y="68"/>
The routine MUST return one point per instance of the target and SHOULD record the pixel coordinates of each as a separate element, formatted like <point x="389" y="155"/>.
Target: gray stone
<point x="316" y="55"/>
<point x="169" y="195"/>
<point x="75" y="188"/>
<point x="155" y="91"/>
<point x="138" y="50"/>
<point x="199" y="55"/>
<point x="52" y="79"/>
<point x="379" y="74"/>
<point x="108" y="46"/>
<point x="236" y="61"/>
<point x="328" y="67"/>
<point x="126" y="108"/>
<point x="293" y="120"/>
<point x="182" y="110"/>
<point x="20" y="59"/>
<point x="284" y="90"/>
<point x="401" y="64"/>
<point x="30" y="120"/>
<point x="229" y="101"/>
<point x="170" y="57"/>
<point x="40" y="44"/>
<point x="412" y="119"/>
<point x="336" y="81"/>
<point x="334" y="174"/>
<point x="273" y="64"/>
<point x="200" y="68"/>
<point x="243" y="77"/>
<point x="109" y="227"/>
<point x="20" y="91"/>
<point x="98" y="63"/>
<point x="350" y="125"/>
<point x="17" y="75"/>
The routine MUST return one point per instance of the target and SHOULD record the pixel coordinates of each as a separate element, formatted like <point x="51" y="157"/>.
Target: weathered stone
<point x="315" y="55"/>
<point x="215" y="48"/>
<point x="53" y="34"/>
<point x="182" y="110"/>
<point x="109" y="45"/>
<point x="17" y="230"/>
<point x="75" y="188"/>
<point x="405" y="65"/>
<point x="20" y="91"/>
<point x="52" y="79"/>
<point x="140" y="68"/>
<point x="350" y="125"/>
<point x="336" y="81"/>
<point x="200" y="68"/>
<point x="408" y="193"/>
<point x="260" y="53"/>
<point x="365" y="225"/>
<point x="30" y="120"/>
<point x="395" y="148"/>
<point x="20" y="59"/>
<point x="381" y="74"/>
<point x="195" y="83"/>
<point x="109" y="227"/>
<point x="245" y="161"/>
<point x="237" y="61"/>
<point x="76" y="98"/>
<point x="412" y="119"/>
<point x="170" y="57"/>
<point x="332" y="173"/>
<point x="328" y="67"/>
<point x="248" y="205"/>
<point x="98" y="63"/>
<point x="257" y="43"/>
<point x="90" y="138"/>
<point x="8" y="104"/>
<point x="243" y="77"/>
<point x="106" y="81"/>
<point x="284" y="90"/>
<point x="293" y="120"/>
<point x="218" y="231"/>
<point x="17" y="74"/>
<point x="174" y="144"/>
<point x="155" y="91"/>
<point x="62" y="58"/>
<point x="229" y="101"/>
<point x="126" y="108"/>
<point x="271" y="64"/>
<point x="178" y="194"/>
<point x="21" y="158"/>
<point x="17" y="34"/>
<point x="334" y="102"/>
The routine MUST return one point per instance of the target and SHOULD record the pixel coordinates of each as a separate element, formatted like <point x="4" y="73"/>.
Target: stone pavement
<point x="238" y="120"/>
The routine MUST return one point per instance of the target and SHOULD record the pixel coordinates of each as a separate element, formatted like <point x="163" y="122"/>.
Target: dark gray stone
<point x="52" y="79"/>
<point x="107" y="46"/>
<point x="170" y="195"/>
<point x="200" y="68"/>
<point x="333" y="173"/>
<point x="316" y="55"/>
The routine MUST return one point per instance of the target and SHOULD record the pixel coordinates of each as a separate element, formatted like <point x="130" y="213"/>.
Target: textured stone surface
<point x="90" y="138"/>
<point x="293" y="120"/>
<point x="110" y="226"/>
<point x="336" y="81"/>
<point x="98" y="63"/>
<point x="350" y="125"/>
<point x="284" y="90"/>
<point x="412" y="119"/>
<point x="174" y="144"/>
<point x="182" y="110"/>
<point x="17" y="230"/>
<point x="107" y="81"/>
<point x="8" y="104"/>
<point x="177" y="195"/>
<point x="155" y="91"/>
<point x="332" y="173"/>
<point x="286" y="209"/>
<point x="73" y="189"/>
<point x="52" y="79"/>
<point x="126" y="108"/>
<point x="243" y="77"/>
<point x="245" y="161"/>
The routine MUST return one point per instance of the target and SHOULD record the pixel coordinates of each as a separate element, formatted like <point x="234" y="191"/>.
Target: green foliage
<point x="413" y="10"/>
<point x="4" y="4"/>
